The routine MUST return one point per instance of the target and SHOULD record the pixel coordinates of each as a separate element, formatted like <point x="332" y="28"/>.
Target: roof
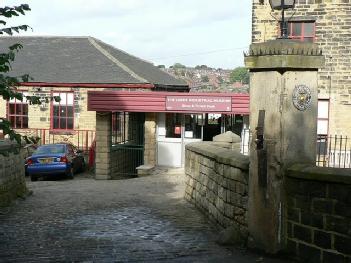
<point x="82" y="60"/>
<point x="181" y="102"/>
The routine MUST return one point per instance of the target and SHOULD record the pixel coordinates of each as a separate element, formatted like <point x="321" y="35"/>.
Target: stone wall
<point x="103" y="146"/>
<point x="333" y="37"/>
<point x="217" y="183"/>
<point x="150" y="139"/>
<point x="318" y="220"/>
<point x="12" y="179"/>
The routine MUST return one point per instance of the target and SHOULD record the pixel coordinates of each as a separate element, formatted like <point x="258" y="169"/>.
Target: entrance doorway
<point x="127" y="143"/>
<point x="174" y="131"/>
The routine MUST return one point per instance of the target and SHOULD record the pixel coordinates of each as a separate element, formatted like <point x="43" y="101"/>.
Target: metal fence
<point x="245" y="141"/>
<point x="333" y="151"/>
<point x="83" y="139"/>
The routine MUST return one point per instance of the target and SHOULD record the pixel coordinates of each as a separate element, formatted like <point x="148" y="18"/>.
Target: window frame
<point x="323" y="119"/>
<point x="66" y="105"/>
<point x="302" y="37"/>
<point x="18" y="102"/>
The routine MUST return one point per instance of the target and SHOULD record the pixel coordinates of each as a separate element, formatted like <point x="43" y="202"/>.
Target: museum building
<point x="145" y="116"/>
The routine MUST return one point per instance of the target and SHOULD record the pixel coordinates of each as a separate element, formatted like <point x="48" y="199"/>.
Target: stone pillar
<point x="282" y="74"/>
<point x="103" y="146"/>
<point x="150" y="139"/>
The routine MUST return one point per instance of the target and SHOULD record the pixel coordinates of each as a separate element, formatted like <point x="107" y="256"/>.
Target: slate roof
<point x="82" y="60"/>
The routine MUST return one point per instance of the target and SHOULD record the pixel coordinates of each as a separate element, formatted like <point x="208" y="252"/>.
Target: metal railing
<point x="83" y="139"/>
<point x="245" y="141"/>
<point x="333" y="151"/>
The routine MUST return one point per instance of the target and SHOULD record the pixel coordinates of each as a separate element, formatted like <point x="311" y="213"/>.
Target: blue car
<point x="54" y="159"/>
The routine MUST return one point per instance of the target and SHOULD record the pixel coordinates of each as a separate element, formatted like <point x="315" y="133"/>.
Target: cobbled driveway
<point x="136" y="220"/>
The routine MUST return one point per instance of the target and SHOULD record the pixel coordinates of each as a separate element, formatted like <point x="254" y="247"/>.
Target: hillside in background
<point x="206" y="79"/>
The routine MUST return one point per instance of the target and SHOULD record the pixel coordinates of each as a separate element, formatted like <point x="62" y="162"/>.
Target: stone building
<point x="327" y="23"/>
<point x="68" y="67"/>
<point x="136" y="113"/>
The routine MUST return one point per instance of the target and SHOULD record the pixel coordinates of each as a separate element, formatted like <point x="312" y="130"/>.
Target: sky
<point x="191" y="32"/>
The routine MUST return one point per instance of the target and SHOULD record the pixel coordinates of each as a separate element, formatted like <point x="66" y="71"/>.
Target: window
<point x="18" y="113"/>
<point x="302" y="31"/>
<point x="62" y="111"/>
<point x="323" y="117"/>
<point x="173" y="125"/>
<point x="193" y="126"/>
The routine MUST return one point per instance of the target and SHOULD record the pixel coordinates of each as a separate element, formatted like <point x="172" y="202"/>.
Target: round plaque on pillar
<point x="302" y="97"/>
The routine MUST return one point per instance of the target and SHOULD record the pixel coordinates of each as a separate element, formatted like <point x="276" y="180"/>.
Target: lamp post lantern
<point x="282" y="5"/>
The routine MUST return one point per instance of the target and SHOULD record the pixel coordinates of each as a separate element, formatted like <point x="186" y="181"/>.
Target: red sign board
<point x="198" y="103"/>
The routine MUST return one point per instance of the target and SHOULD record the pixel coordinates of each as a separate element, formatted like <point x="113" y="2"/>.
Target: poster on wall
<point x="177" y="130"/>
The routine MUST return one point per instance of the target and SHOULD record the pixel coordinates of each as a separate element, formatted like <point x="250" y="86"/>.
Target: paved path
<point x="135" y="220"/>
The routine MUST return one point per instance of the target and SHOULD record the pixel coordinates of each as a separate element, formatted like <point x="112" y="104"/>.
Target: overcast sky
<point x="191" y="32"/>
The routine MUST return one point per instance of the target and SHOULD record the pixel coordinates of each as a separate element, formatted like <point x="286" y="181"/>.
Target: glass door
<point x="193" y="130"/>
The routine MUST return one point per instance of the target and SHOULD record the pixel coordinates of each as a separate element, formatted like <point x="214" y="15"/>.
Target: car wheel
<point x="33" y="178"/>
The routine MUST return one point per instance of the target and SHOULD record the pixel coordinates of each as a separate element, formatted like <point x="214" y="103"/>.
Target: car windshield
<point x="50" y="149"/>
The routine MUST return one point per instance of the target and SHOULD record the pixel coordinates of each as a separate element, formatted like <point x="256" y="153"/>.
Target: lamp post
<point x="282" y="5"/>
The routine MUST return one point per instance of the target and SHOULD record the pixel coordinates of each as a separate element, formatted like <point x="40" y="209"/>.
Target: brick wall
<point x="12" y="179"/>
<point x="318" y="220"/>
<point x="333" y="35"/>
<point x="217" y="183"/>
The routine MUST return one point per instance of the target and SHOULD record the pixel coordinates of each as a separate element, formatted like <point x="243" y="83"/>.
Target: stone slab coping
<point x="145" y="167"/>
<point x="284" y="54"/>
<point x="310" y="172"/>
<point x="221" y="155"/>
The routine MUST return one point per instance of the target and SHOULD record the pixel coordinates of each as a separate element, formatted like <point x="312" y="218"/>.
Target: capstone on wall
<point x="318" y="214"/>
<point x="333" y="35"/>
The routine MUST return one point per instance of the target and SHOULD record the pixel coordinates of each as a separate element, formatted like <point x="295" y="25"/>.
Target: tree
<point x="9" y="84"/>
<point x="202" y="67"/>
<point x="178" y="66"/>
<point x="161" y="66"/>
<point x="240" y="74"/>
<point x="205" y="78"/>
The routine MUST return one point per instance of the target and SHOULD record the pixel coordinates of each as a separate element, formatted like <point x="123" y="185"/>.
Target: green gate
<point x="127" y="143"/>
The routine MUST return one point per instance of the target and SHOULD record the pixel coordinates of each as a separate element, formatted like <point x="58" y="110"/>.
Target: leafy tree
<point x="202" y="67"/>
<point x="178" y="66"/>
<point x="240" y="74"/>
<point x="190" y="74"/>
<point x="205" y="78"/>
<point x="9" y="84"/>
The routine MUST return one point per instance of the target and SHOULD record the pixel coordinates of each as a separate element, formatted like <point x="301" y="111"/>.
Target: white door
<point x="169" y="139"/>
